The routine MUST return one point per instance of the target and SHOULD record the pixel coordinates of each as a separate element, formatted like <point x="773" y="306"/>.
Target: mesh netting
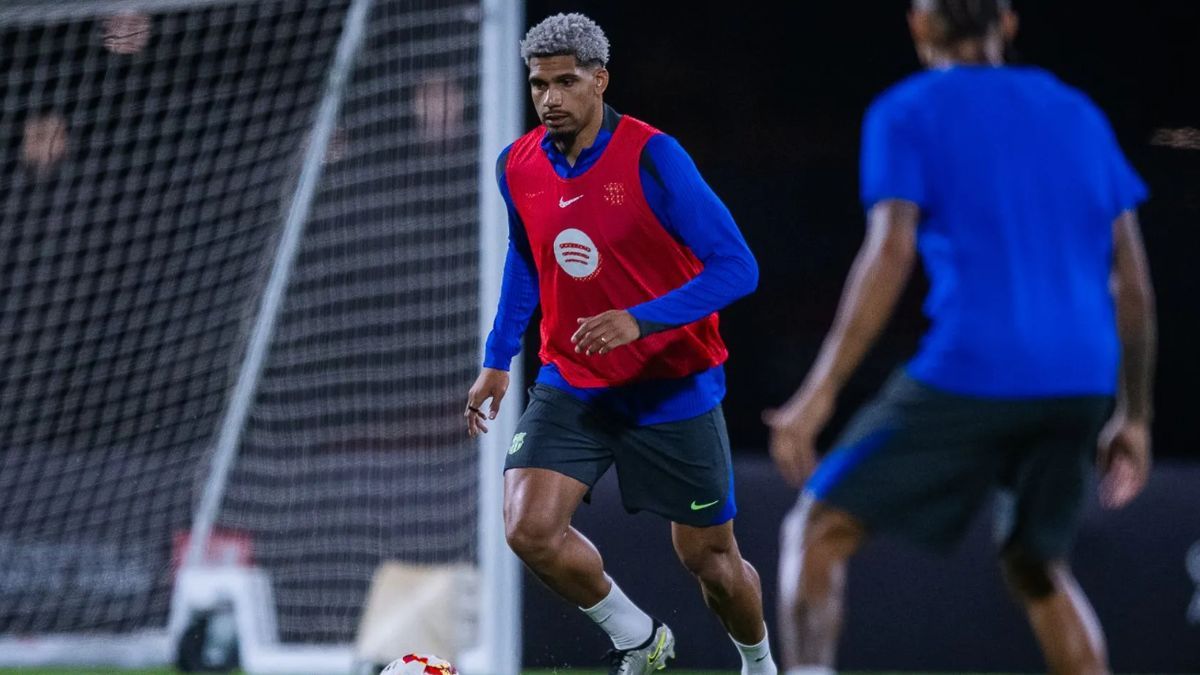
<point x="148" y="158"/>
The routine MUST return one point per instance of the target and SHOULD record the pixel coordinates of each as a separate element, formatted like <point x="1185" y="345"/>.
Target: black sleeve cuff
<point x="650" y="327"/>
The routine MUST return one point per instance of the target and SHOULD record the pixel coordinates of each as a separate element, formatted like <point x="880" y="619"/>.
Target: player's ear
<point x="920" y="24"/>
<point x="1009" y="24"/>
<point x="600" y="78"/>
<point x="923" y="26"/>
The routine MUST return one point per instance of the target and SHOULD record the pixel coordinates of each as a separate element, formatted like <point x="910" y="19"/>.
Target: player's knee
<point x="827" y="535"/>
<point x="711" y="564"/>
<point x="701" y="561"/>
<point x="529" y="538"/>
<point x="1027" y="576"/>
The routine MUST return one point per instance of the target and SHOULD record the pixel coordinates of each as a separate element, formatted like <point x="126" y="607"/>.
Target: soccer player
<point x="1013" y="189"/>
<point x="631" y="254"/>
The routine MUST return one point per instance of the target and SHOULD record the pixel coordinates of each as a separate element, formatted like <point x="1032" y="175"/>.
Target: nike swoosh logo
<point x="662" y="642"/>
<point x="562" y="204"/>
<point x="699" y="507"/>
<point x="760" y="658"/>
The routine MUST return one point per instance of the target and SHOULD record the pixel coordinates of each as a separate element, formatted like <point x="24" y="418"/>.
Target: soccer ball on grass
<point x="419" y="664"/>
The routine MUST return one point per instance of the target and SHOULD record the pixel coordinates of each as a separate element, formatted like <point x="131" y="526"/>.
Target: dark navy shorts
<point x="679" y="470"/>
<point x="920" y="462"/>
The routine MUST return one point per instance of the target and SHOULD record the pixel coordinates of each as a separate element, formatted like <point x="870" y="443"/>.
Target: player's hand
<point x="794" y="431"/>
<point x="605" y="332"/>
<point x="491" y="384"/>
<point x="1124" y="460"/>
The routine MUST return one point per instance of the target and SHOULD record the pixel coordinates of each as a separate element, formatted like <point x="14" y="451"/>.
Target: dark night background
<point x="768" y="99"/>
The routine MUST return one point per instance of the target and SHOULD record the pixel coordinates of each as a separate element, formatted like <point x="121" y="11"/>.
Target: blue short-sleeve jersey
<point x="1018" y="178"/>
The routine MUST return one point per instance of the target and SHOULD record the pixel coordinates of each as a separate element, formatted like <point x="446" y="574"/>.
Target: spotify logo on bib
<point x="576" y="253"/>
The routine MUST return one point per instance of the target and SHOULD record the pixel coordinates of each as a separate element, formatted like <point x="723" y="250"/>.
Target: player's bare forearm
<point x="1124" y="452"/>
<point x="877" y="279"/>
<point x="1133" y="293"/>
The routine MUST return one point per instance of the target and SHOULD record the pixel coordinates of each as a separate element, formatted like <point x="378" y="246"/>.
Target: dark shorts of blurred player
<point x="680" y="470"/>
<point x="920" y="463"/>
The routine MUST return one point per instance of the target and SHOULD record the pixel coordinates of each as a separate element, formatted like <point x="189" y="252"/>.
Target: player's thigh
<point x="539" y="503"/>
<point x="915" y="461"/>
<point x="559" y="433"/>
<point x="680" y="470"/>
<point x="1048" y="477"/>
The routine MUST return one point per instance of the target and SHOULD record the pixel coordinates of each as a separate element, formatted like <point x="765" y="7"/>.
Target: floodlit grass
<point x="668" y="671"/>
<point x="168" y="671"/>
<point x="80" y="670"/>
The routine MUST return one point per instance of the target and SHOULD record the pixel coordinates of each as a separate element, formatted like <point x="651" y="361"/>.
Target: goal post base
<point x="247" y="590"/>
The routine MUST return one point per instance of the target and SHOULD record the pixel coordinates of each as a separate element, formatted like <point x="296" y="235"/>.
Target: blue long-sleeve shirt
<point x="693" y="214"/>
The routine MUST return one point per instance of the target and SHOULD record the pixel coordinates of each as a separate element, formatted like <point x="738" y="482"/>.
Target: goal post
<point x="499" y="648"/>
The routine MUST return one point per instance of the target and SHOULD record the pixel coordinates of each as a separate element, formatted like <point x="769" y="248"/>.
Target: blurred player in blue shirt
<point x="1012" y="188"/>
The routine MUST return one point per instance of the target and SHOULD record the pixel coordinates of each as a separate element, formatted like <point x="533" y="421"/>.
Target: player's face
<point x="566" y="95"/>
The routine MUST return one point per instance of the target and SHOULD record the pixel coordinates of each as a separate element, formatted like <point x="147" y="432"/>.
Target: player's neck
<point x="989" y="52"/>
<point x="582" y="140"/>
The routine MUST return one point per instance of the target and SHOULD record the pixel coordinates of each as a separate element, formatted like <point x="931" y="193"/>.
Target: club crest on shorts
<point x="576" y="253"/>
<point x="517" y="442"/>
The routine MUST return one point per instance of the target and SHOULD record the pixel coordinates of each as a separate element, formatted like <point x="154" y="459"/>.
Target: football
<point x="419" y="664"/>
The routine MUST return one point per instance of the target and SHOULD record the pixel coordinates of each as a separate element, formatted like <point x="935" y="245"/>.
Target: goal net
<point x="158" y="157"/>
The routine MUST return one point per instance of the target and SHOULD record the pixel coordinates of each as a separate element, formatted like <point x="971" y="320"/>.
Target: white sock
<point x="756" y="659"/>
<point x="625" y="622"/>
<point x="810" y="670"/>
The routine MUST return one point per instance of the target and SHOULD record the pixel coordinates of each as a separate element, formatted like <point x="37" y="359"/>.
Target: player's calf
<point x="711" y="555"/>
<point x="731" y="589"/>
<point x="815" y="544"/>
<point x="1061" y="617"/>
